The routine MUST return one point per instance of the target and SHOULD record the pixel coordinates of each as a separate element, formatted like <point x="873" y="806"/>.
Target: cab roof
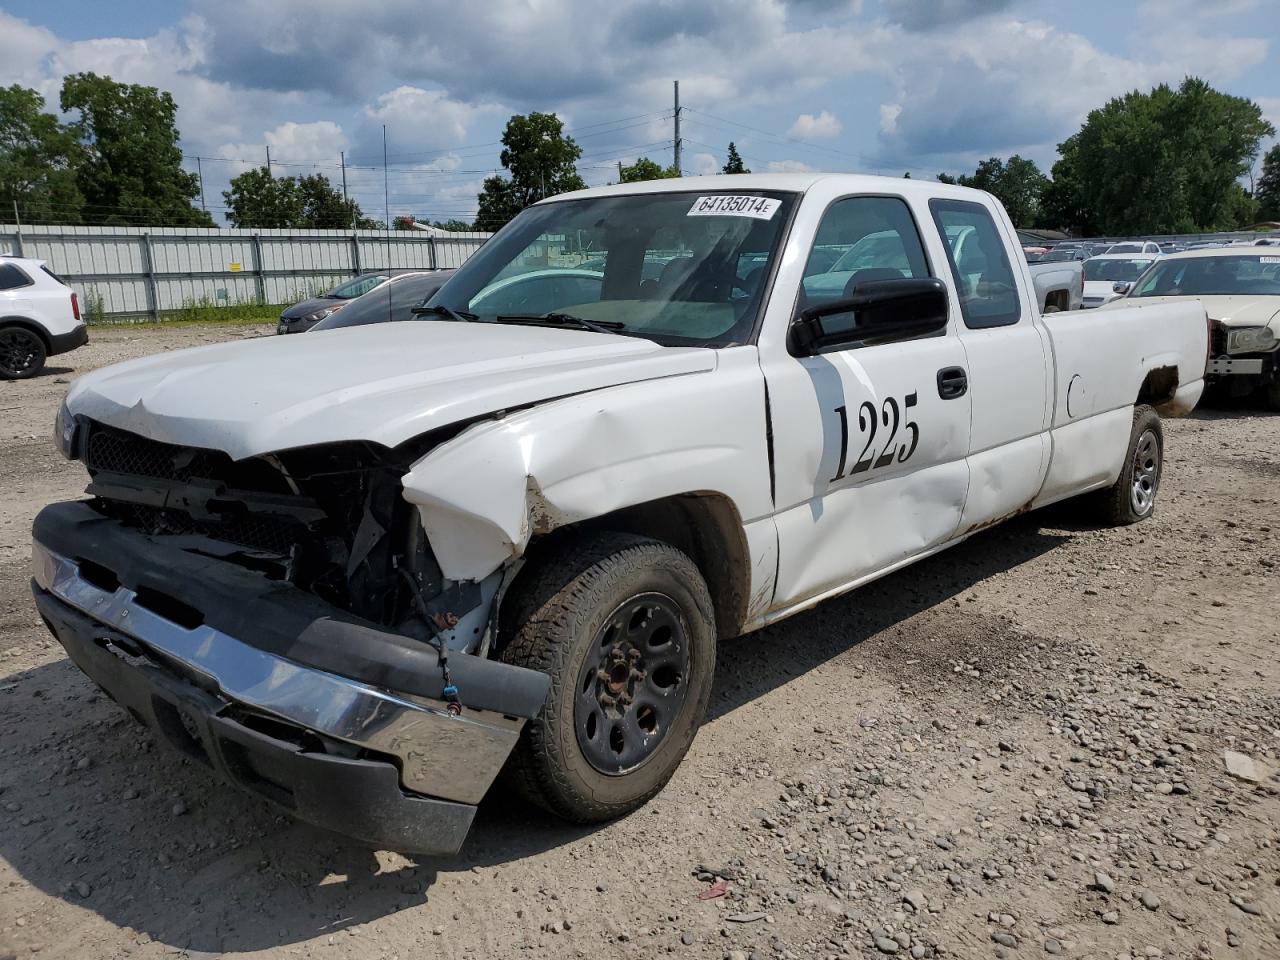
<point x="785" y="182"/>
<point x="1241" y="251"/>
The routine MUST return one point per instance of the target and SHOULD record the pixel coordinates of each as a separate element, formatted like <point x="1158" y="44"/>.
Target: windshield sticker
<point x="1269" y="259"/>
<point x="722" y="205"/>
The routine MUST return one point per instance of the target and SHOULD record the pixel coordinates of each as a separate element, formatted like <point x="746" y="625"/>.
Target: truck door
<point x="869" y="442"/>
<point x="1007" y="359"/>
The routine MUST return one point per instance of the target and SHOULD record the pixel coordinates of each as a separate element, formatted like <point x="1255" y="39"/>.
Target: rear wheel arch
<point x="1158" y="386"/>
<point x="28" y="324"/>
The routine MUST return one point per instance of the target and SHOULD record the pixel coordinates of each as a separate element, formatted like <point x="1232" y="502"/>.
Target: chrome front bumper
<point x="435" y="760"/>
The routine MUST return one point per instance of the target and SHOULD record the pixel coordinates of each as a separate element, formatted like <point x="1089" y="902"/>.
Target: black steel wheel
<point x="625" y="628"/>
<point x="632" y="688"/>
<point x="22" y="353"/>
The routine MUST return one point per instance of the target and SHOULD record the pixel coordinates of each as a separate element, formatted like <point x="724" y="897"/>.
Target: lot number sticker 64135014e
<point x="725" y="205"/>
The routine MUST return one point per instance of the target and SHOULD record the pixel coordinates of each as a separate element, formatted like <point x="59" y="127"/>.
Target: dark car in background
<point x="302" y="316"/>
<point x="392" y="300"/>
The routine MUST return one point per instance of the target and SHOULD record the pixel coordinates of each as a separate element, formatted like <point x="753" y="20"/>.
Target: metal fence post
<point x="431" y="251"/>
<point x="149" y="270"/>
<point x="355" y="252"/>
<point x="259" y="281"/>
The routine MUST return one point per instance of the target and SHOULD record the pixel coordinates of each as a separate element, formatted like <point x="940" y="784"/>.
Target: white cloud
<point x="824" y="126"/>
<point x="702" y="165"/>
<point x="889" y="117"/>
<point x="788" y="166"/>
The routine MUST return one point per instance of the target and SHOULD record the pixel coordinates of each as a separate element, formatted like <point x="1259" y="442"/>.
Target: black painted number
<point x="869" y="419"/>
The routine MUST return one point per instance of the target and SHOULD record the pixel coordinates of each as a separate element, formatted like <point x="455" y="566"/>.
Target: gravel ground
<point x="1053" y="739"/>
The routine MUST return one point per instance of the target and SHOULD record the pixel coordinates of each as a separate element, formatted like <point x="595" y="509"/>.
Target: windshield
<point x="357" y="287"/>
<point x="395" y="301"/>
<point x="678" y="268"/>
<point x="1116" y="271"/>
<point x="1212" y="276"/>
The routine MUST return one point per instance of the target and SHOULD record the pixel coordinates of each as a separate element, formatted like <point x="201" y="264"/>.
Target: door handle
<point x="952" y="382"/>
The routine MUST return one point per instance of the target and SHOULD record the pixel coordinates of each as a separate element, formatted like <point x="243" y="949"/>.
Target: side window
<point x="979" y="264"/>
<point x="11" y="277"/>
<point x="862" y="239"/>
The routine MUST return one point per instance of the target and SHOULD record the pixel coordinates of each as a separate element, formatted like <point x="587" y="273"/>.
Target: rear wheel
<point x="1133" y="496"/>
<point x="624" y="627"/>
<point x="22" y="353"/>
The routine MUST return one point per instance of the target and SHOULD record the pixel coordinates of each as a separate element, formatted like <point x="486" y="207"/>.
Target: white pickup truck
<point x="358" y="573"/>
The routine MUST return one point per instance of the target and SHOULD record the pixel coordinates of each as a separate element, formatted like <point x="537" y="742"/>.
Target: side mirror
<point x="880" y="311"/>
<point x="1121" y="287"/>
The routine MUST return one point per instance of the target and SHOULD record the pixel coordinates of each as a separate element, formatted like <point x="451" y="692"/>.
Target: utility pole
<point x="679" y="173"/>
<point x="200" y="174"/>
<point x="386" y="188"/>
<point x="268" y="161"/>
<point x="342" y="160"/>
<point x="619" y="171"/>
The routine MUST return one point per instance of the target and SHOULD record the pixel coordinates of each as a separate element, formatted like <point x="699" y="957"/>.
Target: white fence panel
<point x="125" y="272"/>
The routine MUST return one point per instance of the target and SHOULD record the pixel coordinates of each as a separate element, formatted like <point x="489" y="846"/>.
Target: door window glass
<point x="860" y="240"/>
<point x="979" y="263"/>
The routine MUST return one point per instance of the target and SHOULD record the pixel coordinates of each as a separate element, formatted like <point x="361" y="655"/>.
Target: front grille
<point x="265" y="533"/>
<point x="117" y="451"/>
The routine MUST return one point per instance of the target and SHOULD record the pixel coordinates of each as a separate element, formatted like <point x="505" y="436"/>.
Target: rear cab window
<point x="979" y="263"/>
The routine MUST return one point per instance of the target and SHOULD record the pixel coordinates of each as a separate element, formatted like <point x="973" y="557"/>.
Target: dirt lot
<point x="1013" y="749"/>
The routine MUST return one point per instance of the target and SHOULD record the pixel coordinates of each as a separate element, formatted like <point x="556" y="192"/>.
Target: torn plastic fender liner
<point x="484" y="494"/>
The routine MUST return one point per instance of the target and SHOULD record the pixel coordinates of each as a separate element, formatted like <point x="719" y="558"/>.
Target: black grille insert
<point x="117" y="451"/>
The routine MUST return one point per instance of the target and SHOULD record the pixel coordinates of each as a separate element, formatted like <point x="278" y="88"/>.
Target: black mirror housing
<point x="880" y="311"/>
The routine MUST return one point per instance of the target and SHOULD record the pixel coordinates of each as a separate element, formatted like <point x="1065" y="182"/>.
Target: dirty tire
<point x="1051" y="308"/>
<point x="1273" y="395"/>
<point x="1123" y="503"/>
<point x="22" y="353"/>
<point x="560" y="608"/>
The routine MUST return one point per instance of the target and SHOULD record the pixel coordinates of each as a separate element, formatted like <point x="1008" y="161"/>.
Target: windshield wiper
<point x="440" y="310"/>
<point x="562" y="320"/>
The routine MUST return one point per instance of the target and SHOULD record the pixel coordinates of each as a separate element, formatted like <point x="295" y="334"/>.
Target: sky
<point x="873" y="86"/>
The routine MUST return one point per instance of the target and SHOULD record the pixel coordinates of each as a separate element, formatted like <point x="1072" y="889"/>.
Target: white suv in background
<point x="39" y="317"/>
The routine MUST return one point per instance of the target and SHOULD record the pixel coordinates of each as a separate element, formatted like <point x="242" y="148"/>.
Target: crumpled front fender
<point x="484" y="494"/>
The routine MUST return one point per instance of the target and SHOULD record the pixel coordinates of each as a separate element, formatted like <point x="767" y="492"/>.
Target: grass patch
<point x="200" y="313"/>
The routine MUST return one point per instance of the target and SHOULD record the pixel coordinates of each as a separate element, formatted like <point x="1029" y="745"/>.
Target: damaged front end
<point x="283" y="619"/>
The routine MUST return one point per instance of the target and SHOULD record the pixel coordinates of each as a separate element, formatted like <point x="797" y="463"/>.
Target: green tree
<point x="324" y="207"/>
<point x="646" y="169"/>
<point x="1017" y="183"/>
<point x="257" y="200"/>
<point x="453" y="225"/>
<point x="1267" y="193"/>
<point x="1167" y="161"/>
<point x="38" y="157"/>
<point x="132" y="172"/>
<point x="734" y="164"/>
<point x="539" y="159"/>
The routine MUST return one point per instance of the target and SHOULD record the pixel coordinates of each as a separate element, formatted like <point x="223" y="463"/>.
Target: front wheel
<point x="624" y="626"/>
<point x="1133" y="496"/>
<point x="22" y="353"/>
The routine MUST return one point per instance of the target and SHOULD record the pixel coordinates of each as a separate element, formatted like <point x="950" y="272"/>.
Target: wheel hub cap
<point x="633" y="684"/>
<point x="1146" y="473"/>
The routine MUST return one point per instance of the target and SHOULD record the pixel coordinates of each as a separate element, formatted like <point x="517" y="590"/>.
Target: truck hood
<point x="1233" y="311"/>
<point x="385" y="383"/>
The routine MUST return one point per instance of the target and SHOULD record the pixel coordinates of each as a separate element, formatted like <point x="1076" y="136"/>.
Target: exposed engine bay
<point x="329" y="519"/>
